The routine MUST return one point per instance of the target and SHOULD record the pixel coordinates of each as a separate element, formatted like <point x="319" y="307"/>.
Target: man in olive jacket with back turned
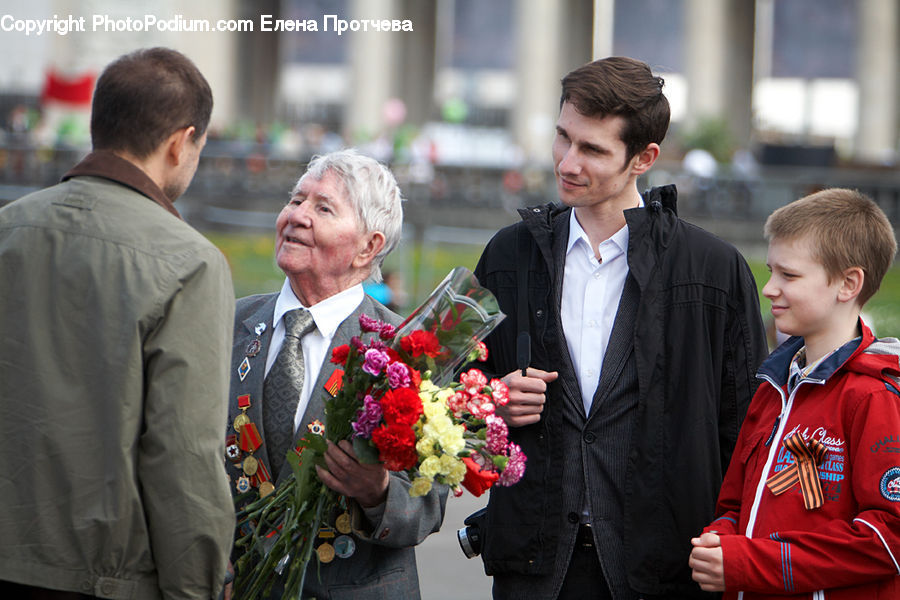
<point x="116" y="340"/>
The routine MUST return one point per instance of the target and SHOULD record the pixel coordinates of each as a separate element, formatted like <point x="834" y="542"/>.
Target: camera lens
<point x="469" y="541"/>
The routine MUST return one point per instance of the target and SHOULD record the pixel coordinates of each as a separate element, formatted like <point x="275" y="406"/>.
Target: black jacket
<point x="698" y="340"/>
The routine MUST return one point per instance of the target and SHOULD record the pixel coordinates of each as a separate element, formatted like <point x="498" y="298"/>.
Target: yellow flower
<point x="425" y="447"/>
<point x="451" y="439"/>
<point x="453" y="469"/>
<point x="420" y="487"/>
<point x="433" y="409"/>
<point x="427" y="387"/>
<point x="430" y="467"/>
<point x="437" y="426"/>
<point x="443" y="395"/>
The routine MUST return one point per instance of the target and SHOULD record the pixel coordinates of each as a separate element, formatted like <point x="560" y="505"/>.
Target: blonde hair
<point x="844" y="229"/>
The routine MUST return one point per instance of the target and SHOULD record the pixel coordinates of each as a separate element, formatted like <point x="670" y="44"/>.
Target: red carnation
<point x="396" y="447"/>
<point x="478" y="480"/>
<point x="421" y="342"/>
<point x="401" y="406"/>
<point x="339" y="354"/>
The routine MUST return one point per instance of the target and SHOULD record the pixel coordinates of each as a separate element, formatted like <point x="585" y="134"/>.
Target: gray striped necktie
<point x="283" y="386"/>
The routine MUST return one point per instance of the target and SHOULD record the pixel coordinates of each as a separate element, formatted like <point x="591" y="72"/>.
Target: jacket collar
<point x="776" y="368"/>
<point x="108" y="165"/>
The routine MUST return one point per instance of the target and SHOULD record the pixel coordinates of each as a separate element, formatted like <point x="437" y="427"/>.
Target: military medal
<point x="342" y="523"/>
<point x="244" y="368"/>
<point x="243" y="484"/>
<point x="334" y="383"/>
<point x="325" y="552"/>
<point x="344" y="546"/>
<point x="250" y="465"/>
<point x="242" y="419"/>
<point x="253" y="348"/>
<point x="316" y="427"/>
<point x="232" y="451"/>
<point x="264" y="480"/>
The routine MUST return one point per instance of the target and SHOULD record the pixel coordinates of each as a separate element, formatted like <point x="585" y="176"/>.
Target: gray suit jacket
<point x="384" y="564"/>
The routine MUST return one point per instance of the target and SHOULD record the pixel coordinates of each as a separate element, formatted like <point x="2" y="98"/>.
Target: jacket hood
<point x="881" y="359"/>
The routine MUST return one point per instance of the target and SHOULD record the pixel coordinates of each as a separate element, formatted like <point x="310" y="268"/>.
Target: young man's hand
<point x="526" y="396"/>
<point x="706" y="561"/>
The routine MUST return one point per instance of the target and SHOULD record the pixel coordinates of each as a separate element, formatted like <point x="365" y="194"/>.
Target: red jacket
<point x="850" y="546"/>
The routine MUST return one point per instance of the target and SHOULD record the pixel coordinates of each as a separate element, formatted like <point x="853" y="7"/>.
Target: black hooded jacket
<point x="698" y="340"/>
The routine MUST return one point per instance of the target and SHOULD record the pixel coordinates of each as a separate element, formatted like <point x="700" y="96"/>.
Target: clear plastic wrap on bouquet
<point x="460" y="313"/>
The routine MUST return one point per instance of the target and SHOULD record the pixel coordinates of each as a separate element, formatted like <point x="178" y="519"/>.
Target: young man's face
<point x="589" y="158"/>
<point x="804" y="302"/>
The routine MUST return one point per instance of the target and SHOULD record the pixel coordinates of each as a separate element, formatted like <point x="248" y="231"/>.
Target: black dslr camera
<point x="470" y="536"/>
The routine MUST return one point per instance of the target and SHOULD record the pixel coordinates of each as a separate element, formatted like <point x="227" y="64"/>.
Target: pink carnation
<point x="496" y="436"/>
<point x="367" y="418"/>
<point x="376" y="360"/>
<point x="398" y="375"/>
<point x="473" y="381"/>
<point x="387" y="331"/>
<point x="480" y="405"/>
<point x="500" y="392"/>
<point x="457" y="403"/>
<point x="515" y="468"/>
<point x="368" y="324"/>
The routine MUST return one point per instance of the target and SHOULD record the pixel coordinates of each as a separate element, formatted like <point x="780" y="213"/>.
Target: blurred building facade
<point x="477" y="82"/>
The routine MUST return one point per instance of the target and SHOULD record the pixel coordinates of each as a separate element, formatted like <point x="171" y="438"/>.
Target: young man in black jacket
<point x="645" y="334"/>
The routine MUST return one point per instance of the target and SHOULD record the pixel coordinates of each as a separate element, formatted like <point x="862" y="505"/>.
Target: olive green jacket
<point x="115" y="340"/>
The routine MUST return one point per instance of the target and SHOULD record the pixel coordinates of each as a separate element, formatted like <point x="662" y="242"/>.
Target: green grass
<point x="882" y="311"/>
<point x="254" y="271"/>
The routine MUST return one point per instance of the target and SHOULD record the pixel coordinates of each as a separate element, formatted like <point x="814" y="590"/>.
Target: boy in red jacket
<point x="810" y="505"/>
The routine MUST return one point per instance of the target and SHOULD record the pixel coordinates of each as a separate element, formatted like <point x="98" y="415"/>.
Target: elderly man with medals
<point x="343" y="217"/>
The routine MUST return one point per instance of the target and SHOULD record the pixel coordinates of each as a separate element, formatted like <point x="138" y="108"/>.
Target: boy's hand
<point x="526" y="396"/>
<point x="706" y="561"/>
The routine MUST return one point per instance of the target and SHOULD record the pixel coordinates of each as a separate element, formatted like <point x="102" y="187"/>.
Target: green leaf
<point x="365" y="452"/>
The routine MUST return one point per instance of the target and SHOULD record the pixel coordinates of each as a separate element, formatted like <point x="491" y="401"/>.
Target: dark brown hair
<point x="621" y="86"/>
<point x="843" y="229"/>
<point x="144" y="97"/>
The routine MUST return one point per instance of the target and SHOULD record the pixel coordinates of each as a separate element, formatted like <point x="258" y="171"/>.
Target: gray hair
<point x="372" y="191"/>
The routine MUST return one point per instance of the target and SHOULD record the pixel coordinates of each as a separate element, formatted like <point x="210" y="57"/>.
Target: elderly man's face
<point x="318" y="233"/>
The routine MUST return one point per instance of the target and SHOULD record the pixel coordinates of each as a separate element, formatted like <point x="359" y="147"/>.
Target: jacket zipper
<point x="777" y="431"/>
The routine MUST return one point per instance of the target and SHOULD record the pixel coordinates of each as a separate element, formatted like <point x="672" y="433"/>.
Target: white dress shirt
<point x="591" y="292"/>
<point x="327" y="315"/>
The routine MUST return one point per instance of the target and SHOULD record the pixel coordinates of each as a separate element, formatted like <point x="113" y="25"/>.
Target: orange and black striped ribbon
<point x="807" y="456"/>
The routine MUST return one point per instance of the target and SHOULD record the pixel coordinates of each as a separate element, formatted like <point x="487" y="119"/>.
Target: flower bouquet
<point x="399" y="405"/>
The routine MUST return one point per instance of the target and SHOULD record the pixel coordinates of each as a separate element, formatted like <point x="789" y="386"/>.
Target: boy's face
<point x="804" y="302"/>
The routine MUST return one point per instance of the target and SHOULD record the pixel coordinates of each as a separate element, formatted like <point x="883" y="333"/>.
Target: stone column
<point x="373" y="70"/>
<point x="719" y="63"/>
<point x="416" y="60"/>
<point x="604" y="19"/>
<point x="877" y="75"/>
<point x="537" y="77"/>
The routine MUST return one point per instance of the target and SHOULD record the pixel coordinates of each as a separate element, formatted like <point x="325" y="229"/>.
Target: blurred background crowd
<point x="771" y="99"/>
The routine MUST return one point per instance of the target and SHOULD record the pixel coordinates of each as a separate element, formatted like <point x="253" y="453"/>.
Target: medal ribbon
<point x="250" y="438"/>
<point x="807" y="456"/>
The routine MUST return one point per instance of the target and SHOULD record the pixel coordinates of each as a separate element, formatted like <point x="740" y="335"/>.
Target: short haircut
<point x="621" y="86"/>
<point x="372" y="191"/>
<point x="144" y="97"/>
<point x="844" y="229"/>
